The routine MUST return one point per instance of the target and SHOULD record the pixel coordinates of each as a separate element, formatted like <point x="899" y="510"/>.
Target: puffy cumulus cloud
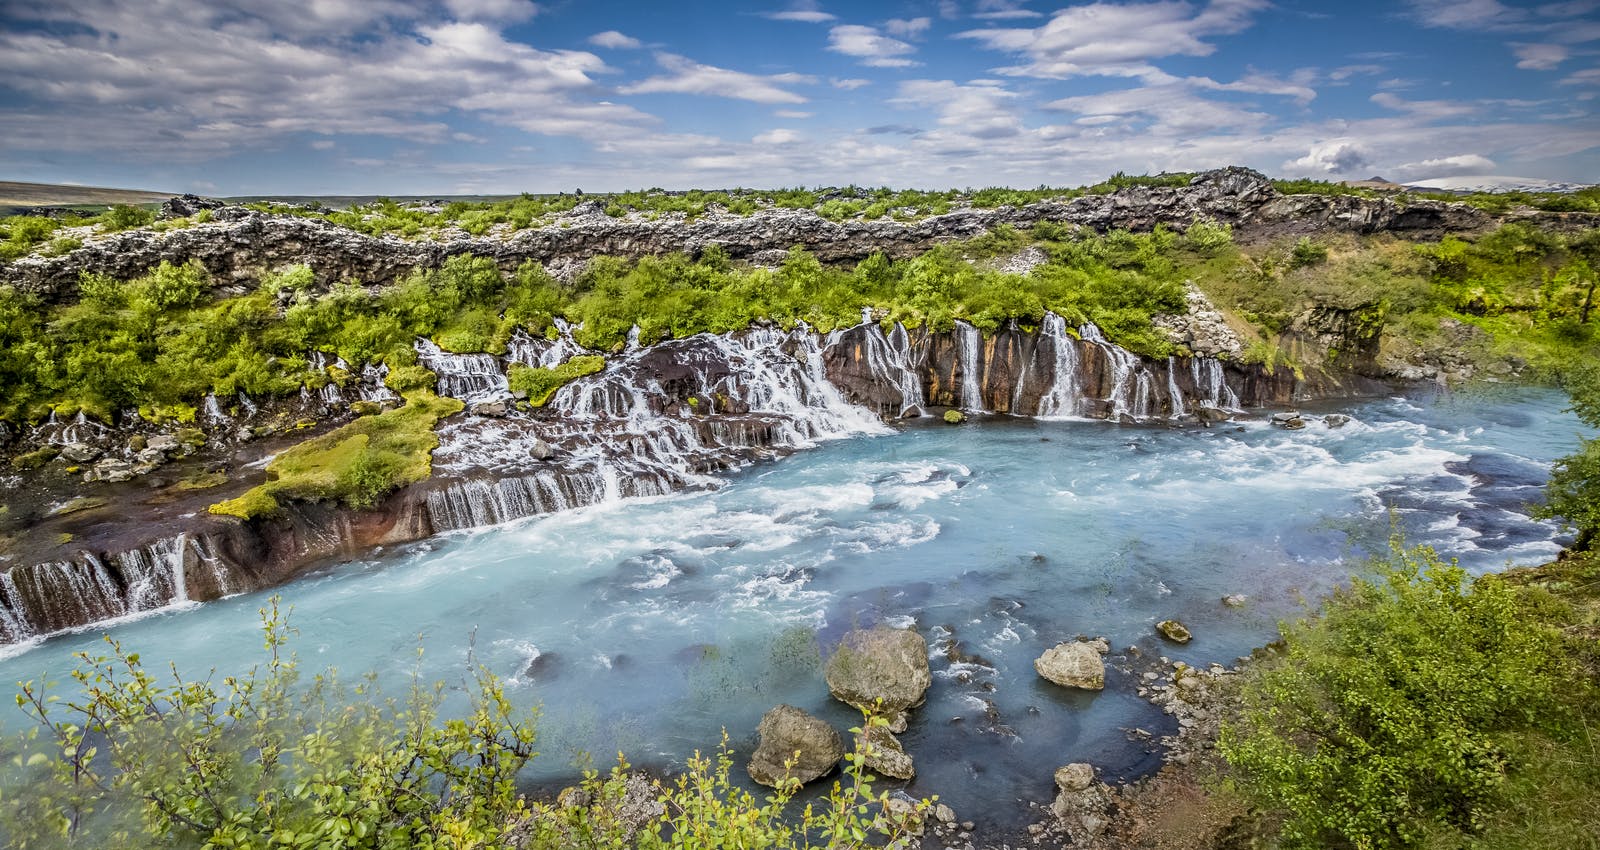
<point x="1540" y="57"/>
<point x="1332" y="157"/>
<point x="870" y="47"/>
<point x="803" y="11"/>
<point x="183" y="79"/>
<point x="1459" y="165"/>
<point x="1112" y="39"/>
<point x="615" y="41"/>
<point x="686" y="76"/>
<point x="980" y="109"/>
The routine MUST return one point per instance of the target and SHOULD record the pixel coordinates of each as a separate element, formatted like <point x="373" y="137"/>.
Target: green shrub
<point x="1399" y="715"/>
<point x="1573" y="493"/>
<point x="125" y="217"/>
<point x="19" y="234"/>
<point x="265" y="759"/>
<point x="539" y="384"/>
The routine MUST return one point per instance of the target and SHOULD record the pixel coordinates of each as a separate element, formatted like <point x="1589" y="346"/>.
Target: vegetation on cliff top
<point x="538" y="384"/>
<point x="269" y="759"/>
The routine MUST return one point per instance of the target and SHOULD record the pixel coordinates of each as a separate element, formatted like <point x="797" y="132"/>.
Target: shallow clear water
<point x="656" y="623"/>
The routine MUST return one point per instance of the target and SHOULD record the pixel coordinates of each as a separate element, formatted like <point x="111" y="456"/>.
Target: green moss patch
<point x="540" y="383"/>
<point x="357" y="464"/>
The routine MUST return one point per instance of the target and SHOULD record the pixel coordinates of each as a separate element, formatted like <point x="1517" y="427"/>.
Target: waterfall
<point x="1065" y="383"/>
<point x="1211" y="384"/>
<point x="211" y="411"/>
<point x="1130" y="381"/>
<point x="469" y="377"/>
<point x="372" y="386"/>
<point x="1174" y="394"/>
<point x="970" y="362"/>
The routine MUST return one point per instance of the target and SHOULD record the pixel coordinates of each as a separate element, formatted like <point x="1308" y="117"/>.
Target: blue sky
<point x="502" y="96"/>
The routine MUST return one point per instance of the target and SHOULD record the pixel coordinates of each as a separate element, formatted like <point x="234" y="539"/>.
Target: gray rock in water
<point x="79" y="452"/>
<point x="1235" y="600"/>
<point x="788" y="733"/>
<point x="1074" y="664"/>
<point x="1074" y="777"/>
<point x="540" y="450"/>
<point x="489" y="408"/>
<point x="881" y="670"/>
<point x="1336" y="420"/>
<point x="162" y="443"/>
<point x="884" y="754"/>
<point x="1212" y="414"/>
<point x="1290" y="420"/>
<point x="110" y="470"/>
<point x="1174" y="631"/>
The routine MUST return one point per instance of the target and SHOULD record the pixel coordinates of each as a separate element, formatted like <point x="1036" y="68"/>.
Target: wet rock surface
<point x="1074" y="664"/>
<point x="788" y="734"/>
<point x="882" y="670"/>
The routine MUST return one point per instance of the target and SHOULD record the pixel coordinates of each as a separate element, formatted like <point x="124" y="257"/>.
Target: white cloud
<point x="1431" y="110"/>
<point x="1170" y="108"/>
<point x="1448" y="166"/>
<point x="907" y="28"/>
<point x="778" y="137"/>
<point x="1586" y="77"/>
<point x="205" y="78"/>
<point x="1466" y="14"/>
<point x="794" y="114"/>
<point x="322" y="144"/>
<point x="849" y="84"/>
<point x="686" y="76"/>
<point x="1345" y="72"/>
<point x="509" y="11"/>
<point x="1117" y="40"/>
<point x="869" y="46"/>
<point x="1540" y="57"/>
<point x="982" y="110"/>
<point x="1000" y="10"/>
<point x="1332" y="157"/>
<point x="615" y="41"/>
<point x="803" y="11"/>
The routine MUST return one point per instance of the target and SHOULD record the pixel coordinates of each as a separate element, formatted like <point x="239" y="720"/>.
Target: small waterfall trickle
<point x="1066" y="388"/>
<point x="471" y="378"/>
<point x="1211" y="384"/>
<point x="971" y="363"/>
<point x="211" y="411"/>
<point x="1130" y="381"/>
<point x="1174" y="395"/>
<point x="888" y="358"/>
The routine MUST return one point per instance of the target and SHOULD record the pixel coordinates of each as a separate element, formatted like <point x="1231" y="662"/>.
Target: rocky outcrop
<point x="1075" y="664"/>
<point x="883" y="671"/>
<point x="794" y="745"/>
<point x="883" y="754"/>
<point x="239" y="244"/>
<point x="1174" y="631"/>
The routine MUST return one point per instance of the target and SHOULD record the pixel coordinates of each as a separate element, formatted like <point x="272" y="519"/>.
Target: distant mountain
<point x="1490" y="183"/>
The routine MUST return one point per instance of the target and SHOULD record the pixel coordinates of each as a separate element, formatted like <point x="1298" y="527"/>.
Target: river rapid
<point x="649" y="625"/>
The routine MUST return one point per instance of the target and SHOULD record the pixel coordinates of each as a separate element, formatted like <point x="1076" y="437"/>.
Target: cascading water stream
<point x="970" y="362"/>
<point x="1066" y="384"/>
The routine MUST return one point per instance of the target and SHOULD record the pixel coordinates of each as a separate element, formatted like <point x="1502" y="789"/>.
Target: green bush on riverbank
<point x="1421" y="708"/>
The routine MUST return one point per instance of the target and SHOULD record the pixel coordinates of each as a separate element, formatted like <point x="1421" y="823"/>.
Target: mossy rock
<point x="954" y="417"/>
<point x="365" y="408"/>
<point x="35" y="459"/>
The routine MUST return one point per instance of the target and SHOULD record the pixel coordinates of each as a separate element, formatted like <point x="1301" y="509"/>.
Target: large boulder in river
<point x="881" y="670"/>
<point x="1074" y="664"/>
<point x="790" y="734"/>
